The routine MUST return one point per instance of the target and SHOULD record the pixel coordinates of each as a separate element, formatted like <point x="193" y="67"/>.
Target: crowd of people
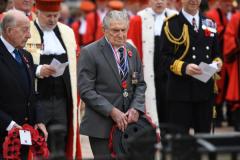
<point x="126" y="59"/>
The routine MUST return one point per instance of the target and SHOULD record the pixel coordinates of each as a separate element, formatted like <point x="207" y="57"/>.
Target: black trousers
<point x="55" y="111"/>
<point x="100" y="148"/>
<point x="191" y="114"/>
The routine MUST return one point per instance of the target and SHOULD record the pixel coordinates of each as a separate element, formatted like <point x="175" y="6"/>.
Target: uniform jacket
<point x="16" y="102"/>
<point x="100" y="86"/>
<point x="203" y="48"/>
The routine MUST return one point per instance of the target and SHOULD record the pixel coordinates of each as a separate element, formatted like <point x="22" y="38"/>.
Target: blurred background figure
<point x="81" y="26"/>
<point x="26" y="6"/>
<point x="220" y="12"/>
<point x="231" y="52"/>
<point x="132" y="7"/>
<point x="94" y="19"/>
<point x="64" y="14"/>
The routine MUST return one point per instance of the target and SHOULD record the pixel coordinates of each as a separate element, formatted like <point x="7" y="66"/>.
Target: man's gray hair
<point x="9" y="19"/>
<point x="116" y="16"/>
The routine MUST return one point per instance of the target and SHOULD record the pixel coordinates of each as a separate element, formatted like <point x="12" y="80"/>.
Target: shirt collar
<point x="9" y="47"/>
<point x="113" y="47"/>
<point x="189" y="17"/>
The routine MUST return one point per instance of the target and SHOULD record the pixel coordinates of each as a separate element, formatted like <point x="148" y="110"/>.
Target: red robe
<point x="81" y="40"/>
<point x="85" y="38"/>
<point x="221" y="21"/>
<point x="231" y="49"/>
<point x="95" y="26"/>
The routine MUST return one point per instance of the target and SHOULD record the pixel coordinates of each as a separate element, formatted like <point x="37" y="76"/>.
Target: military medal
<point x="124" y="86"/>
<point x="135" y="78"/>
<point x="125" y="93"/>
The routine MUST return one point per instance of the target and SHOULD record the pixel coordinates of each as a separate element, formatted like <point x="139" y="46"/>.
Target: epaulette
<point x="170" y="17"/>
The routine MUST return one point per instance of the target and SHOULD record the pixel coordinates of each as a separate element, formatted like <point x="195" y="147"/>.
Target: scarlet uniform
<point x="232" y="57"/>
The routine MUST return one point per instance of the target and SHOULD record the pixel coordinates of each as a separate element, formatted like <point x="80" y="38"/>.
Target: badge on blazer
<point x="208" y="24"/>
<point x="135" y="77"/>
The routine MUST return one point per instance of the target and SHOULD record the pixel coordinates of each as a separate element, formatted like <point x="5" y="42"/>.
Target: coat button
<point x="194" y="57"/>
<point x="26" y="118"/>
<point x="207" y="47"/>
<point x="28" y="104"/>
<point x="193" y="48"/>
<point x="207" y="56"/>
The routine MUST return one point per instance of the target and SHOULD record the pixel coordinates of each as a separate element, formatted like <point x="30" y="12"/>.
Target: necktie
<point x="194" y="23"/>
<point x="17" y="56"/>
<point x="123" y="65"/>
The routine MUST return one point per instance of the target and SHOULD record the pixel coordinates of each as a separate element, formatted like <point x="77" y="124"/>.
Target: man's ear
<point x="8" y="30"/>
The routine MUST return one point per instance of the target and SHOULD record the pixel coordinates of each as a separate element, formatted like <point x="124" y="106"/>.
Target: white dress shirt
<point x="190" y="17"/>
<point x="51" y="43"/>
<point x="83" y="27"/>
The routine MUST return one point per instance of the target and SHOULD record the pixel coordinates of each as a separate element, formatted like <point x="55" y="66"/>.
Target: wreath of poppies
<point x="12" y="145"/>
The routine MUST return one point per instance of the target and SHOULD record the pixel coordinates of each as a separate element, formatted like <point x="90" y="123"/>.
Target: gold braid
<point x="183" y="39"/>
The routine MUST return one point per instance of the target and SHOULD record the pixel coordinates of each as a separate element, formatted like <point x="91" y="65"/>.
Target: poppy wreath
<point x="12" y="145"/>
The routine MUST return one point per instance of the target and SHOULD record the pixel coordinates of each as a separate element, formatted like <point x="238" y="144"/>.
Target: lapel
<point x="29" y="73"/>
<point x="108" y="55"/>
<point x="11" y="64"/>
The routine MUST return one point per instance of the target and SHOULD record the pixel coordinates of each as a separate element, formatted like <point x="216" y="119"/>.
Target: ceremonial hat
<point x="87" y="6"/>
<point x="49" y="5"/>
<point x="122" y="144"/>
<point x="115" y="4"/>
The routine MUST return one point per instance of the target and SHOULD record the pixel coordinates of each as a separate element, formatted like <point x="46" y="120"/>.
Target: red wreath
<point x="12" y="145"/>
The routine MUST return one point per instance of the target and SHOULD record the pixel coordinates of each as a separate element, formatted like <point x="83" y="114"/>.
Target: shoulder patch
<point x="170" y="17"/>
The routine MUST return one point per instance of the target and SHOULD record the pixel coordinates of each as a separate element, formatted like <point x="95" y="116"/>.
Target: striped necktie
<point x="194" y="23"/>
<point x="123" y="65"/>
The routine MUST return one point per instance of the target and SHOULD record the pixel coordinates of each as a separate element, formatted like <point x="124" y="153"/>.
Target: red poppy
<point x="207" y="32"/>
<point x="25" y="59"/>
<point x="129" y="53"/>
<point x="124" y="84"/>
